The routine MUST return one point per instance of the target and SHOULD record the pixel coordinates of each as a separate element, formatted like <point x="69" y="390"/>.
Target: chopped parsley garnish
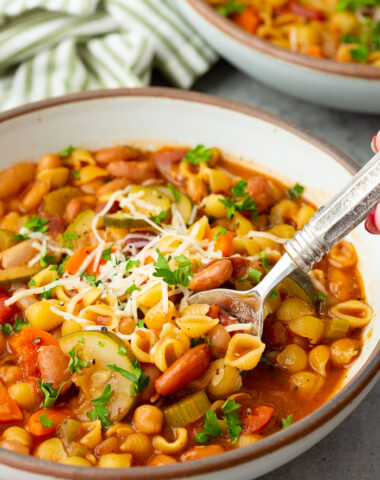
<point x="265" y="360"/>
<point x="158" y="219"/>
<point x="286" y="422"/>
<point x="46" y="259"/>
<point x="176" y="194"/>
<point x="68" y="237"/>
<point x="360" y="53"/>
<point x="273" y="294"/>
<point x="76" y="175"/>
<point x="232" y="6"/>
<point x="90" y="279"/>
<point x="50" y="395"/>
<point x="198" y="341"/>
<point x="264" y="258"/>
<point x="355" y="4"/>
<point x="122" y="351"/>
<point x="211" y="428"/>
<point x="59" y="268"/>
<point x="349" y="39"/>
<point x="100" y="412"/>
<point x="254" y="274"/>
<point x="76" y="363"/>
<point x="80" y="340"/>
<point x="19" y="324"/>
<point x="46" y="294"/>
<point x="131" y="289"/>
<point x="35" y="224"/>
<point x="140" y="324"/>
<point x="322" y="296"/>
<point x="131" y="263"/>
<point x="67" y="151"/>
<point x="180" y="276"/>
<point x="138" y="378"/>
<point x="7" y="329"/>
<point x="218" y="232"/>
<point x="232" y="419"/>
<point x="240" y="201"/>
<point x="45" y="421"/>
<point x="106" y="254"/>
<point x="198" y="155"/>
<point x="296" y="191"/>
<point x="32" y="282"/>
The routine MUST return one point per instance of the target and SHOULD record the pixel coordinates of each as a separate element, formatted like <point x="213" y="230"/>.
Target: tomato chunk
<point x="256" y="419"/>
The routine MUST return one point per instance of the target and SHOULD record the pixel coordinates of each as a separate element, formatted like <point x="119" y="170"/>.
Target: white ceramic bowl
<point x="156" y="116"/>
<point x="346" y="86"/>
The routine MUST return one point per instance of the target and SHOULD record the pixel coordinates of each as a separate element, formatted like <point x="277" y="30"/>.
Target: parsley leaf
<point x="50" y="395"/>
<point x="100" y="412"/>
<point x="122" y="350"/>
<point x="211" y="428"/>
<point x="68" y="237"/>
<point x="198" y="155"/>
<point x="7" y="329"/>
<point x="101" y="344"/>
<point x="158" y="219"/>
<point x="131" y="263"/>
<point x="343" y="5"/>
<point x="322" y="296"/>
<point x="232" y="419"/>
<point x="61" y="267"/>
<point x="296" y="191"/>
<point x="198" y="341"/>
<point x="254" y="274"/>
<point x="76" y="363"/>
<point x="273" y="293"/>
<point x="76" y="174"/>
<point x="240" y="201"/>
<point x="46" y="294"/>
<point x="360" y="53"/>
<point x="140" y="324"/>
<point x="106" y="254"/>
<point x="176" y="194"/>
<point x="232" y="6"/>
<point x="35" y="224"/>
<point x="46" y="259"/>
<point x="286" y="422"/>
<point x="90" y="279"/>
<point x="219" y="231"/>
<point x="45" y="421"/>
<point x="131" y="289"/>
<point x="265" y="360"/>
<point x="180" y="276"/>
<point x="19" y="324"/>
<point x="67" y="151"/>
<point x="138" y="377"/>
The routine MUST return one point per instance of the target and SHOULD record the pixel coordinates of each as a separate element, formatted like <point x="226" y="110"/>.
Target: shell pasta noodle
<point x="103" y="361"/>
<point x="346" y="31"/>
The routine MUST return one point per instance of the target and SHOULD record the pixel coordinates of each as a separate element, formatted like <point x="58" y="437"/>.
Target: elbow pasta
<point x="103" y="360"/>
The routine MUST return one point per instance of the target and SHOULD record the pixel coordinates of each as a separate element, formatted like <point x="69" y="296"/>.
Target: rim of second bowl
<point x="355" y="70"/>
<point x="269" y="445"/>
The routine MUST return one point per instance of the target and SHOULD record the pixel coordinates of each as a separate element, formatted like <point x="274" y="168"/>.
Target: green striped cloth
<point x="54" y="47"/>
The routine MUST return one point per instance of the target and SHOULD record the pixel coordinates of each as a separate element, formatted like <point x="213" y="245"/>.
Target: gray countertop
<point x="351" y="452"/>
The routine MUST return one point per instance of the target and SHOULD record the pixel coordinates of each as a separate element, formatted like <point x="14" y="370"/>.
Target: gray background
<point x="351" y="452"/>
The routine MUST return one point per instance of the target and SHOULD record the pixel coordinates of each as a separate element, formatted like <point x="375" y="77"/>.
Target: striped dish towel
<point x="54" y="47"/>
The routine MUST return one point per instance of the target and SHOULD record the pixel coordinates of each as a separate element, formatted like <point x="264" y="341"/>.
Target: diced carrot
<point x="75" y="261"/>
<point x="9" y="409"/>
<point x="248" y="19"/>
<point x="223" y="242"/>
<point x="27" y="344"/>
<point x="56" y="415"/>
<point x="254" y="420"/>
<point x="312" y="50"/>
<point x="148" y="259"/>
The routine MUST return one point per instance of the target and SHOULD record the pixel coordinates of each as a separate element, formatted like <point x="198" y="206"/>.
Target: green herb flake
<point x="122" y="351"/>
<point x="100" y="412"/>
<point x="360" y="53"/>
<point x="46" y="259"/>
<point x="138" y="378"/>
<point x="76" y="175"/>
<point x="131" y="289"/>
<point x="7" y="329"/>
<point x="273" y="293"/>
<point x="35" y="224"/>
<point x="286" y="422"/>
<point x="19" y="324"/>
<point x="254" y="274"/>
<point x="220" y="231"/>
<point x="322" y="296"/>
<point x="140" y="324"/>
<point x="131" y="263"/>
<point x="240" y="201"/>
<point x="232" y="419"/>
<point x="198" y="155"/>
<point x="158" y="219"/>
<point x="232" y="6"/>
<point x="211" y="428"/>
<point x="67" y="151"/>
<point x="32" y="283"/>
<point x="76" y="363"/>
<point x="45" y="421"/>
<point x="101" y="344"/>
<point x="180" y="276"/>
<point x="68" y="238"/>
<point x="46" y="294"/>
<point x="90" y="279"/>
<point x="296" y="191"/>
<point x="106" y="254"/>
<point x="50" y="395"/>
<point x="176" y="194"/>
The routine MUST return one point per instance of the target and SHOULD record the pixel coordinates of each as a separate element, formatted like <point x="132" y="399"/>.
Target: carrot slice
<point x="312" y="50"/>
<point x="75" y="261"/>
<point x="254" y="420"/>
<point x="223" y="241"/>
<point x="49" y="415"/>
<point x="9" y="409"/>
<point x="248" y="19"/>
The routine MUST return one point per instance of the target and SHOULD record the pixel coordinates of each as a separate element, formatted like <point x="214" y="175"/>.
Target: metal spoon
<point x="338" y="217"/>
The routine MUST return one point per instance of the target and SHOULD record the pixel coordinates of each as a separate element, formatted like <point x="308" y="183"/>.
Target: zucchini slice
<point x="299" y="284"/>
<point x="151" y="197"/>
<point x="56" y="201"/>
<point x="184" y="205"/>
<point x="100" y="349"/>
<point x="121" y="220"/>
<point x="21" y="274"/>
<point x="7" y="239"/>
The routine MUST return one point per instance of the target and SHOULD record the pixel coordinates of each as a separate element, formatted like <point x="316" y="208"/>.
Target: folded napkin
<point x="54" y="47"/>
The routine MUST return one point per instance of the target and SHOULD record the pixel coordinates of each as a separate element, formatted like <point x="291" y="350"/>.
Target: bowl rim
<point x="269" y="445"/>
<point x="352" y="70"/>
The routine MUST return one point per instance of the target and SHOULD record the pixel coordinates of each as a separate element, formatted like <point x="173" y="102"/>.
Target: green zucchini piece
<point x="184" y="205"/>
<point x="299" y="285"/>
<point x="152" y="196"/>
<point x="100" y="349"/>
<point x="7" y="239"/>
<point x="56" y="201"/>
<point x="336" y="328"/>
<point x="82" y="224"/>
<point x="121" y="220"/>
<point x="187" y="410"/>
<point x="21" y="274"/>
